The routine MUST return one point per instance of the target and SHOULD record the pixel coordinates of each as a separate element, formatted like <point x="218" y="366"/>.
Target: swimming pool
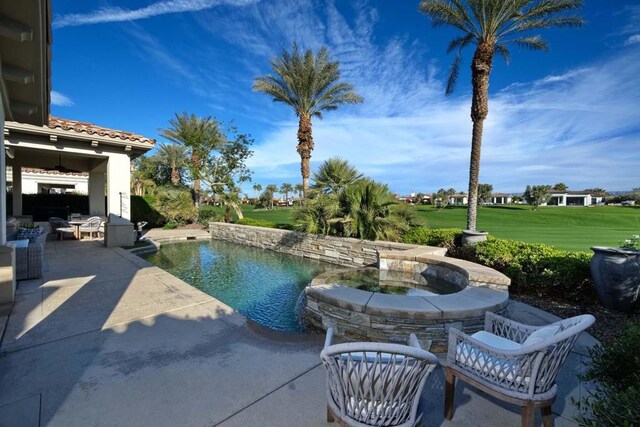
<point x="263" y="285"/>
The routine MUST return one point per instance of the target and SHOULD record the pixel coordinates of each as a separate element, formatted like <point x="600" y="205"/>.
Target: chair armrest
<point x="457" y="337"/>
<point x="329" y="338"/>
<point x="507" y="328"/>
<point x="413" y="341"/>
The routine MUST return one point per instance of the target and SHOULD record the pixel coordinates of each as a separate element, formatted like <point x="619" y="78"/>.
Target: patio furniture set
<point x="379" y="384"/>
<point x="93" y="226"/>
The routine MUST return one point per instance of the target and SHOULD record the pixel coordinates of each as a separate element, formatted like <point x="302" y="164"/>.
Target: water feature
<point x="263" y="285"/>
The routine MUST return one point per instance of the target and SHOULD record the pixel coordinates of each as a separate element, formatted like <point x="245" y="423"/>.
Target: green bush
<point x="614" y="371"/>
<point x="171" y="225"/>
<point x="175" y="205"/>
<point x="142" y="210"/>
<point x="443" y="237"/>
<point x="535" y="268"/>
<point x="257" y="222"/>
<point x="207" y="214"/>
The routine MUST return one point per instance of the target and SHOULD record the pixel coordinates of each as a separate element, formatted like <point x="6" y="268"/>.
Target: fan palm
<point x="334" y="175"/>
<point x="174" y="156"/>
<point x="285" y="189"/>
<point x="310" y="84"/>
<point x="271" y="189"/>
<point x="493" y="25"/>
<point x="299" y="189"/>
<point x="200" y="135"/>
<point x="257" y="188"/>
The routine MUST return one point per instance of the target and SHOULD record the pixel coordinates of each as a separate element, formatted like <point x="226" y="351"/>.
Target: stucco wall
<point x="336" y="250"/>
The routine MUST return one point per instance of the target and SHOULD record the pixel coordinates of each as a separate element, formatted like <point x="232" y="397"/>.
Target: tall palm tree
<point x="272" y="189"/>
<point x="286" y="188"/>
<point x="257" y="188"/>
<point x="334" y="175"/>
<point x="299" y="189"/>
<point x="200" y="135"/>
<point x="174" y="156"/>
<point x="310" y="84"/>
<point x="493" y="25"/>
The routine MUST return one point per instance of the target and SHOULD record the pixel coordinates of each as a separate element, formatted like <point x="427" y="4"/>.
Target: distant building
<point x="500" y="199"/>
<point x="458" y="199"/>
<point x="51" y="181"/>
<point x="572" y="198"/>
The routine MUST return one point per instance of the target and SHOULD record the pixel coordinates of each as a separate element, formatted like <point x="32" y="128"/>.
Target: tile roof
<point x="91" y="129"/>
<point x="53" y="172"/>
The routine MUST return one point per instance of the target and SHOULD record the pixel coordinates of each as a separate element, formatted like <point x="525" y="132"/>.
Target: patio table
<point x="77" y="223"/>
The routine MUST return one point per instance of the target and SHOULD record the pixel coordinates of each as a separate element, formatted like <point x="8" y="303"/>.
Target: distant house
<point x="501" y="199"/>
<point x="572" y="198"/>
<point x="51" y="181"/>
<point x="458" y="199"/>
<point x="413" y="199"/>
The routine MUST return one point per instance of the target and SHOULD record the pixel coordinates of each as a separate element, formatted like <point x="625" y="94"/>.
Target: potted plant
<point x="472" y="237"/>
<point x="616" y="274"/>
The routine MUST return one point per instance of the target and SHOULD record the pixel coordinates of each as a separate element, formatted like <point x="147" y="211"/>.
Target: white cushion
<point x="496" y="341"/>
<point x="541" y="335"/>
<point x="22" y="243"/>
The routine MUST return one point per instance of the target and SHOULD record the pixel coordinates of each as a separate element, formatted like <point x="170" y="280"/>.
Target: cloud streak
<point x="60" y="100"/>
<point x="117" y="14"/>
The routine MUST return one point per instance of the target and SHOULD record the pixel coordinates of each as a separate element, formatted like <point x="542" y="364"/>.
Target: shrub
<point x="256" y="222"/>
<point x="615" y="372"/>
<point x="207" y="214"/>
<point x="175" y="205"/>
<point x="142" y="210"/>
<point x="536" y="268"/>
<point x="171" y="225"/>
<point x="443" y="237"/>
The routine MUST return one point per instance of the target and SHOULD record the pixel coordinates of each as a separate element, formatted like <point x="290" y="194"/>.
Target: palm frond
<point x="532" y="42"/>
<point x="503" y="50"/>
<point x="453" y="73"/>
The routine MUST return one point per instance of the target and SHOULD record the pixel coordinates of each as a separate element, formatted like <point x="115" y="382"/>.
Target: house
<point x="572" y="198"/>
<point x="458" y="199"/>
<point x="50" y="181"/>
<point x="500" y="199"/>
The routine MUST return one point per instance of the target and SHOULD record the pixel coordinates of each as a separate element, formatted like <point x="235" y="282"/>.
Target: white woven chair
<point x="61" y="226"/>
<point x="91" y="226"/>
<point x="375" y="384"/>
<point x="514" y="362"/>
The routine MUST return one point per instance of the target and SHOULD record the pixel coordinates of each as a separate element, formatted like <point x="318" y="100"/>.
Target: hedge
<point x="142" y="210"/>
<point x="257" y="222"/>
<point x="443" y="237"/>
<point x="208" y="213"/>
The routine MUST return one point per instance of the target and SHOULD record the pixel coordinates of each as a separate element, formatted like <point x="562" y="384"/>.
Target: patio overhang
<point x="25" y="60"/>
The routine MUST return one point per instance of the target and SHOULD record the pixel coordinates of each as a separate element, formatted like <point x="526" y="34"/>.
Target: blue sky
<point x="569" y="115"/>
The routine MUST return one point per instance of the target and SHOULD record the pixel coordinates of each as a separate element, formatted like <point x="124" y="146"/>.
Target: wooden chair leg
<point x="449" y="393"/>
<point x="528" y="415"/>
<point x="547" y="416"/>
<point x="330" y="418"/>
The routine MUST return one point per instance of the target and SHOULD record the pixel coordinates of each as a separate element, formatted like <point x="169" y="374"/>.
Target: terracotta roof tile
<point x="53" y="172"/>
<point x="91" y="129"/>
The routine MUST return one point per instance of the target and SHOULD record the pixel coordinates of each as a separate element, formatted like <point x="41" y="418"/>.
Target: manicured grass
<point x="569" y="228"/>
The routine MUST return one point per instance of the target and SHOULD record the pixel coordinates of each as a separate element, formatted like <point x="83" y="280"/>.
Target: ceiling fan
<point x="61" y="168"/>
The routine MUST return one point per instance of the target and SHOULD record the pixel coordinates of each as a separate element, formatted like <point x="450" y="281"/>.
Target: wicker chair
<point x="514" y="362"/>
<point x="61" y="226"/>
<point x="375" y="384"/>
<point x="91" y="226"/>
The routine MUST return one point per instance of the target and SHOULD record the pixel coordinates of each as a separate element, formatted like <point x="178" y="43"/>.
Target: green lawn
<point x="570" y="228"/>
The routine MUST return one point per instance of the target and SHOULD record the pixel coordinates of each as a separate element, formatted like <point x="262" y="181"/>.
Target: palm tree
<point x="286" y="188"/>
<point x="271" y="189"/>
<point x="492" y="25"/>
<point x="257" y="188"/>
<point x="334" y="175"/>
<point x="174" y="156"/>
<point x="310" y="84"/>
<point x="299" y="189"/>
<point x="200" y="135"/>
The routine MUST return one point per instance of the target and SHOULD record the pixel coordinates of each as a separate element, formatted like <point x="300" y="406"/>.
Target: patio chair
<point x="375" y="384"/>
<point x="61" y="226"/>
<point x="514" y="362"/>
<point x="91" y="226"/>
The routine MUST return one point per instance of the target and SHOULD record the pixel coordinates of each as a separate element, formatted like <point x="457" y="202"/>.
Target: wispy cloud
<point x="117" y="14"/>
<point x="632" y="40"/>
<point x="60" y="100"/>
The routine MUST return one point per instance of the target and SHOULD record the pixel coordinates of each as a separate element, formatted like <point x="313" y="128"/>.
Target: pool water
<point x="263" y="285"/>
<point x="393" y="282"/>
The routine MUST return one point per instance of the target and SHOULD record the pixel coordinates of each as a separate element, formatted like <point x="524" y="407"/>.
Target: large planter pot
<point x="472" y="237"/>
<point x="616" y="274"/>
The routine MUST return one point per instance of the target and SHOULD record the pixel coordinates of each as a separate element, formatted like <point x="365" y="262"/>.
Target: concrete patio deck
<point x="107" y="339"/>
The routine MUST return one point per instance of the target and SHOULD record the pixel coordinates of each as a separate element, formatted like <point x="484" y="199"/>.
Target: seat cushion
<point x="23" y="243"/>
<point x="541" y="335"/>
<point x="496" y="341"/>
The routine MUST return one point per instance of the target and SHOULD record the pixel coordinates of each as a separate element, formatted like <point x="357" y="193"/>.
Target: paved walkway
<point x="107" y="339"/>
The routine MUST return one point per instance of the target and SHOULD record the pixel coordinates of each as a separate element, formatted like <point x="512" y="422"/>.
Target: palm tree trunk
<point x="304" y="148"/>
<point x="480" y="72"/>
<point x="175" y="176"/>
<point x="195" y="160"/>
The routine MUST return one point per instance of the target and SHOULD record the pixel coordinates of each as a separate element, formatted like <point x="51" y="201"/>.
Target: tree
<point x="224" y="169"/>
<point x="485" y="191"/>
<point x="299" y="189"/>
<point x="492" y="25"/>
<point x="257" y="188"/>
<point x="537" y="195"/>
<point x="199" y="135"/>
<point x="441" y="198"/>
<point x="561" y="186"/>
<point x="286" y="188"/>
<point x="271" y="190"/>
<point x="310" y="84"/>
<point x="148" y="174"/>
<point x="175" y="157"/>
<point x="597" y="192"/>
<point x="334" y="175"/>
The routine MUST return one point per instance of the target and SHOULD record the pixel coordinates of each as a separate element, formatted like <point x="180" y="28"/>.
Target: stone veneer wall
<point x="337" y="250"/>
